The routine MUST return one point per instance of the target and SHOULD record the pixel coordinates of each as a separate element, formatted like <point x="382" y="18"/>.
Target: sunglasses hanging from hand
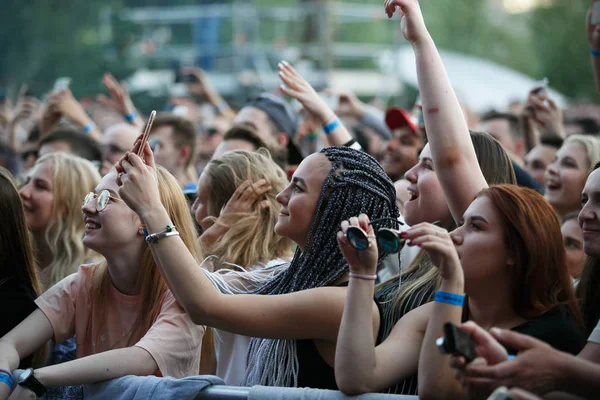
<point x="388" y="239"/>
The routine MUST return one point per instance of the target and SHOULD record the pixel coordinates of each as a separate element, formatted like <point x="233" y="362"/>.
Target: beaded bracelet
<point x="449" y="298"/>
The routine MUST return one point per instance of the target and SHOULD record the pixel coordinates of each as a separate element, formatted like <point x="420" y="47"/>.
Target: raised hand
<point x="413" y="25"/>
<point x="119" y="99"/>
<point x="298" y="88"/>
<point x="544" y="112"/>
<point x="593" y="32"/>
<point x="361" y="262"/>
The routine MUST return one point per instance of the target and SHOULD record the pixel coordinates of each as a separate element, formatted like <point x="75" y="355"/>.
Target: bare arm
<point x="454" y="157"/>
<point x="298" y="88"/>
<point x="99" y="367"/>
<point x="593" y="36"/>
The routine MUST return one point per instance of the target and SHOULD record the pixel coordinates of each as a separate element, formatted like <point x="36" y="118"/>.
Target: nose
<point x="586" y="214"/>
<point x="283" y="197"/>
<point x="456" y="236"/>
<point x="552" y="168"/>
<point x="411" y="174"/>
<point x="89" y="207"/>
<point x="25" y="191"/>
<point x="195" y="206"/>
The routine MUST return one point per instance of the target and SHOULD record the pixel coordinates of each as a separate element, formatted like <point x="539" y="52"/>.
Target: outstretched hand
<point x="365" y="261"/>
<point x="119" y="99"/>
<point x="412" y="23"/>
<point x="298" y="88"/>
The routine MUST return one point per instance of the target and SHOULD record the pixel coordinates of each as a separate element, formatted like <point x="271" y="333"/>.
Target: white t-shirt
<point x="231" y="350"/>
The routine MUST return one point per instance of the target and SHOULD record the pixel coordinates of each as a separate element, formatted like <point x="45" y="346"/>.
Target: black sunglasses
<point x="388" y="239"/>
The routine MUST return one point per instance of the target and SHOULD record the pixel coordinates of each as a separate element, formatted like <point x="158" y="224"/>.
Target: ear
<point x="184" y="154"/>
<point x="282" y="139"/>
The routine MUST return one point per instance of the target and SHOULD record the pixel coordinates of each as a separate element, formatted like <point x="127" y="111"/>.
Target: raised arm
<point x="454" y="157"/>
<point x="593" y="36"/>
<point x="298" y="88"/>
<point x="360" y="366"/>
<point x="119" y="100"/>
<point x="311" y="314"/>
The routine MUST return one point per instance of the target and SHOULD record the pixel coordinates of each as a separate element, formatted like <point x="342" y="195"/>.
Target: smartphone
<point x="596" y="13"/>
<point x="541" y="87"/>
<point x="146" y="133"/>
<point x="457" y="342"/>
<point x="501" y="393"/>
<point x="61" y="84"/>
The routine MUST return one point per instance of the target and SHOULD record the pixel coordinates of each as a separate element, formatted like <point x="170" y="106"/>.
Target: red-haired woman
<point x="509" y="244"/>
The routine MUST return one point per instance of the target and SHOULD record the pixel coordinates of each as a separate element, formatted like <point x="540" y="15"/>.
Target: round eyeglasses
<point x="388" y="240"/>
<point x="102" y="199"/>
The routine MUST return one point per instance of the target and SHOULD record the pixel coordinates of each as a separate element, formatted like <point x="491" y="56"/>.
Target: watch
<point x="26" y="379"/>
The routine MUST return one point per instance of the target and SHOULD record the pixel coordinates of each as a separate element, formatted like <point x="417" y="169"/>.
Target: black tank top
<point x="313" y="371"/>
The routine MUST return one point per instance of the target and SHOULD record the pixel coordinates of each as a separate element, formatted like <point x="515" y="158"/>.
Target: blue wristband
<point x="595" y="53"/>
<point x="89" y="127"/>
<point x="130" y="117"/>
<point x="449" y="298"/>
<point x="330" y="127"/>
<point x="7" y="379"/>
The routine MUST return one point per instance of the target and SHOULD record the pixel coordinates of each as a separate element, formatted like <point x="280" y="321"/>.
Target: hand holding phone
<point x="457" y="342"/>
<point x="61" y="84"/>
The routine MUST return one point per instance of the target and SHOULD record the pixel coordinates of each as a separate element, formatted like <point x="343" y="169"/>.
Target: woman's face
<point x="38" y="197"/>
<point x="115" y="227"/>
<point x="480" y="244"/>
<point x="200" y="205"/>
<point x="427" y="202"/>
<point x="299" y="199"/>
<point x="565" y="178"/>
<point x="589" y="217"/>
<point x="573" y="240"/>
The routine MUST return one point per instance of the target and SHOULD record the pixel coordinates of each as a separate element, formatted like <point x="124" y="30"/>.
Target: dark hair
<point x="81" y="144"/>
<point x="552" y="141"/>
<point x="184" y="133"/>
<point x="354" y="184"/>
<point x="513" y="121"/>
<point x="589" y="125"/>
<point x="34" y="133"/>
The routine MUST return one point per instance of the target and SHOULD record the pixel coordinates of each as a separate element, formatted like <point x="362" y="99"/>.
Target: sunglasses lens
<point x="102" y="200"/>
<point x="388" y="241"/>
<point x="357" y="238"/>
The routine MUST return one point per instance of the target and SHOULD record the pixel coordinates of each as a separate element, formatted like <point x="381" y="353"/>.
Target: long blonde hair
<point x="252" y="239"/>
<point x="151" y="285"/>
<point x="590" y="144"/>
<point x="72" y="178"/>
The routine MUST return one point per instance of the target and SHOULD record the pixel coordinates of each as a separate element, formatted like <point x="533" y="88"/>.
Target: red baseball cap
<point x="397" y="117"/>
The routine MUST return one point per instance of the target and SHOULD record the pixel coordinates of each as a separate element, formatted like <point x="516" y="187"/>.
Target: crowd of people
<point x="290" y="244"/>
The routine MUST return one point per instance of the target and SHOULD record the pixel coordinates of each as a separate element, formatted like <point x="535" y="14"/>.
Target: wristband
<point x="131" y="116"/>
<point x="89" y="127"/>
<point x="449" y="298"/>
<point x="7" y="379"/>
<point x="5" y="371"/>
<point x="222" y="106"/>
<point x="363" y="276"/>
<point x="330" y="127"/>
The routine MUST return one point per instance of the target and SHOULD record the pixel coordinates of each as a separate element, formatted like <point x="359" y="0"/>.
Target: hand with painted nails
<point x="438" y="243"/>
<point x="412" y="23"/>
<point x="359" y="261"/>
<point x="295" y="86"/>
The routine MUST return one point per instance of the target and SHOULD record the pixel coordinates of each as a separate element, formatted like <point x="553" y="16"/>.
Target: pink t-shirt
<point x="173" y="340"/>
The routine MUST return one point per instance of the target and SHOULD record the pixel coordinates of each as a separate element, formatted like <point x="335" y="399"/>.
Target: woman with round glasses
<point x="125" y="319"/>
<point x="52" y="196"/>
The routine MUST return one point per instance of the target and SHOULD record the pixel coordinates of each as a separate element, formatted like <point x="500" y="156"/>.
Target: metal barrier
<point x="221" y="392"/>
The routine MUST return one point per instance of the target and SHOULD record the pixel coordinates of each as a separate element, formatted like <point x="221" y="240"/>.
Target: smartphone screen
<point x="61" y="84"/>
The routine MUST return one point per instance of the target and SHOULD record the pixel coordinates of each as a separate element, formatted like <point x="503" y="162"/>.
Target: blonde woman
<point x="237" y="209"/>
<point x="51" y="197"/>
<point x="125" y="319"/>
<point x="565" y="177"/>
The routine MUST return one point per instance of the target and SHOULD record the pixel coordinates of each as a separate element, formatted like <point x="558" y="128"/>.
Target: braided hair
<point x="355" y="184"/>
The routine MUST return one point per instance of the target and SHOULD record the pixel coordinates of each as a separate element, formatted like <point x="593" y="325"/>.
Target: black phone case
<point x="457" y="341"/>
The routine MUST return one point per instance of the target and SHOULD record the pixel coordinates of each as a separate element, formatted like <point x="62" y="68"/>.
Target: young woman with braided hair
<point x="295" y="331"/>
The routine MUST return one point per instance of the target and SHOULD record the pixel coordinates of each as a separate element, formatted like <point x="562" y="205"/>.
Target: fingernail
<point x="403" y="234"/>
<point x="496" y="331"/>
<point x="436" y="223"/>
<point x="420" y="244"/>
<point x="285" y="62"/>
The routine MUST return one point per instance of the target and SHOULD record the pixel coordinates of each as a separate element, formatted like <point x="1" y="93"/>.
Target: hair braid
<point x="355" y="184"/>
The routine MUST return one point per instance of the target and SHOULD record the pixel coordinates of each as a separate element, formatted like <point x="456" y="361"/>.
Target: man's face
<point x="500" y="130"/>
<point x="166" y="153"/>
<point x="537" y="160"/>
<point x="258" y="120"/>
<point x="401" y="152"/>
<point x="116" y="142"/>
